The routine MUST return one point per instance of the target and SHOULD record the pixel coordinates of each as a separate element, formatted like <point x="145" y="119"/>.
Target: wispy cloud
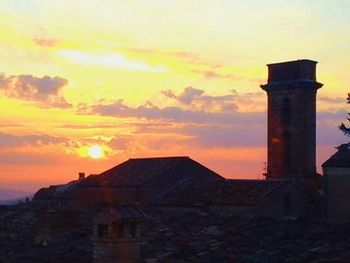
<point x="88" y="126"/>
<point x="45" y="42"/>
<point x="109" y="60"/>
<point x="209" y="74"/>
<point x="11" y="140"/>
<point x="18" y="159"/>
<point x="189" y="57"/>
<point x="334" y="100"/>
<point x="170" y="113"/>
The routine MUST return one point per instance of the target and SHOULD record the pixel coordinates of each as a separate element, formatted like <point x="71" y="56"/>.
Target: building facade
<point x="336" y="172"/>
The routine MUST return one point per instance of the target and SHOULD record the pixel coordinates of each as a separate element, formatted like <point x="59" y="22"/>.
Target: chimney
<point x="81" y="176"/>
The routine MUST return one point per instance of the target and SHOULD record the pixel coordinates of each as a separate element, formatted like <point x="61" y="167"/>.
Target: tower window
<point x="133" y="229"/>
<point x="120" y="230"/>
<point x="102" y="230"/>
<point x="287" y="203"/>
<point x="286" y="151"/>
<point x="286" y="111"/>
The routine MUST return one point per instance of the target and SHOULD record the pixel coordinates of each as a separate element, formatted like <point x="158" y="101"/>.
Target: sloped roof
<point x="135" y="172"/>
<point x="340" y="159"/>
<point x="57" y="191"/>
<point x="43" y="194"/>
<point x="233" y="192"/>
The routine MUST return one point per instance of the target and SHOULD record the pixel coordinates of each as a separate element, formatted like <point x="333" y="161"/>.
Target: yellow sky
<point x="156" y="77"/>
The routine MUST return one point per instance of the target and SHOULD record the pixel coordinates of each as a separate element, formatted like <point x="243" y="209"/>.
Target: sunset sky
<point x="147" y="78"/>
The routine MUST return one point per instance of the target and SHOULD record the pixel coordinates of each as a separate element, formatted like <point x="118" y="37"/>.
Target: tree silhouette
<point x="343" y="127"/>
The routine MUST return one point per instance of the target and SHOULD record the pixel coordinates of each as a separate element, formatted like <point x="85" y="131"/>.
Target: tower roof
<point x="303" y="69"/>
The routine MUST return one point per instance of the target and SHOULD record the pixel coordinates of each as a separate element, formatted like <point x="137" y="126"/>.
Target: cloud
<point x="243" y="129"/>
<point x="228" y="136"/>
<point x="192" y="105"/>
<point x="171" y="113"/>
<point x="197" y="99"/>
<point x="178" y="54"/>
<point x="331" y="116"/>
<point x="45" y="42"/>
<point x="186" y="56"/>
<point x="45" y="91"/>
<point x="120" y="143"/>
<point x="111" y="60"/>
<point x="11" y="124"/>
<point x="208" y="121"/>
<point x="336" y="100"/>
<point x="168" y="93"/>
<point x="328" y="132"/>
<point x="17" y="158"/>
<point x="189" y="94"/>
<point x="208" y="74"/>
<point x="12" y="141"/>
<point x="89" y="126"/>
<point x="211" y="135"/>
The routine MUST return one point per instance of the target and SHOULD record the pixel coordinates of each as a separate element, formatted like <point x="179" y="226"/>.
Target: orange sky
<point x="162" y="78"/>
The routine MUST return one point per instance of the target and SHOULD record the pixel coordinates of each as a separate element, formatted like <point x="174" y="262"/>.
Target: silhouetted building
<point x="58" y="196"/>
<point x="136" y="180"/>
<point x="291" y="91"/>
<point x="336" y="172"/>
<point x="116" y="234"/>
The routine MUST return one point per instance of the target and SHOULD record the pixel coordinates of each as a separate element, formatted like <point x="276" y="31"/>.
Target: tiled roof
<point x="57" y="191"/>
<point x="136" y="172"/>
<point x="43" y="194"/>
<point x="238" y="192"/>
<point x="341" y="158"/>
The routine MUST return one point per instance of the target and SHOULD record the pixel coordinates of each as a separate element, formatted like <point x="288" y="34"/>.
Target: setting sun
<point x="95" y="152"/>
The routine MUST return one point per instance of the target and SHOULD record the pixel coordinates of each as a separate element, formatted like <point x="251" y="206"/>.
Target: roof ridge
<point x="165" y="170"/>
<point x="161" y="157"/>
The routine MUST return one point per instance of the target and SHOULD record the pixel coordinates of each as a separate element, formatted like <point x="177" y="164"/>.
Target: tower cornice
<point x="291" y="84"/>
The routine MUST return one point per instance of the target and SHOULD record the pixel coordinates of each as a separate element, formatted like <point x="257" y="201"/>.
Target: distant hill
<point x="10" y="196"/>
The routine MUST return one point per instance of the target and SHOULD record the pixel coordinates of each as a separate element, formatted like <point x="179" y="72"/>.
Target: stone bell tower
<point x="291" y="89"/>
<point x="116" y="234"/>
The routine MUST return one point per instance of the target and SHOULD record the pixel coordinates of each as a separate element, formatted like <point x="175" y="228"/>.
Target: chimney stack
<point x="81" y="176"/>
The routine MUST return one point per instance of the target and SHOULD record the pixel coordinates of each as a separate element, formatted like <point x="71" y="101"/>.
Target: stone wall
<point x="285" y="201"/>
<point x="337" y="189"/>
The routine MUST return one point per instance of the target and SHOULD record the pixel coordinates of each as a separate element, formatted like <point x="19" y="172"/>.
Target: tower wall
<point x="291" y="91"/>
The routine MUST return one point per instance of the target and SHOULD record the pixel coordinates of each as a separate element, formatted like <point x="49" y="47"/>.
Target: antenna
<point x="265" y="169"/>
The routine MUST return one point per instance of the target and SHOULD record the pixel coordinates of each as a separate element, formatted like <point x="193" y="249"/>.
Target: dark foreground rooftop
<point x="191" y="237"/>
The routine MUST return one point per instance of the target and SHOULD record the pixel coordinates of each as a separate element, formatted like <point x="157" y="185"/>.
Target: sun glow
<point x="95" y="152"/>
<point x="109" y="60"/>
